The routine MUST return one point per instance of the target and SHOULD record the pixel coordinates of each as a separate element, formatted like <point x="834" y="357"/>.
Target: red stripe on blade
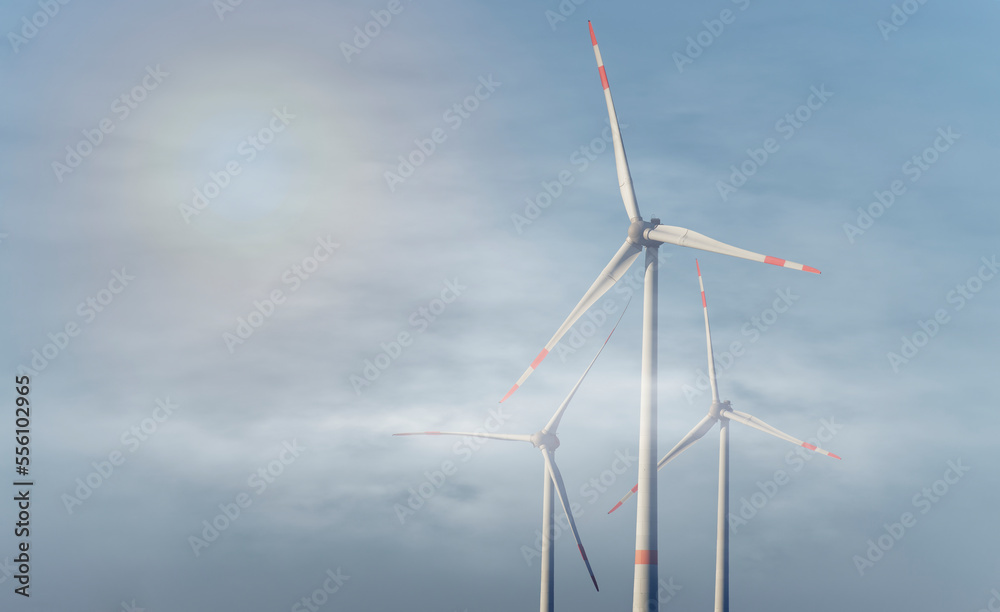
<point x="604" y="77"/>
<point x="809" y="446"/>
<point x="593" y="39"/>
<point x="538" y="360"/>
<point x="835" y="456"/>
<point x="645" y="557"/>
<point x="703" y="303"/>
<point x="774" y="260"/>
<point x="810" y="269"/>
<point x="509" y="393"/>
<point x="617" y="506"/>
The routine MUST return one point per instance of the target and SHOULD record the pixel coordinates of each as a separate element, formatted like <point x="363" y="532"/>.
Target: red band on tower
<point x="645" y="557"/>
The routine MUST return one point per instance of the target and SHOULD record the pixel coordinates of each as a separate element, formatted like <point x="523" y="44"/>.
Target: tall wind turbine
<point x="546" y="441"/>
<point x="649" y="235"/>
<point x="721" y="412"/>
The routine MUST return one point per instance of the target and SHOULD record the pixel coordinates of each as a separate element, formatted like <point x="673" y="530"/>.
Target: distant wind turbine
<point x="546" y="441"/>
<point x="649" y="235"/>
<point x="722" y="413"/>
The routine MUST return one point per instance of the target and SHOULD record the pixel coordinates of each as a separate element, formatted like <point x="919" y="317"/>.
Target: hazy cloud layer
<point x="306" y="238"/>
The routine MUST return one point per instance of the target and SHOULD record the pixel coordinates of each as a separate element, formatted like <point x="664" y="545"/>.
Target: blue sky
<point x="253" y="313"/>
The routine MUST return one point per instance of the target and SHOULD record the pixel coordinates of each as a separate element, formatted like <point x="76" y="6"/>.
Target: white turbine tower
<point x="721" y="412"/>
<point x="649" y="235"/>
<point x="546" y="441"/>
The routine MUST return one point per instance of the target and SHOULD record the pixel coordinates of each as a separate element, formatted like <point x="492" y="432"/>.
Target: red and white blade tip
<point x="600" y="62"/>
<point x="509" y="393"/>
<point x="704" y="303"/>
<point x="813" y="447"/>
<point x="634" y="490"/>
<point x="776" y="261"/>
<point x="534" y="364"/>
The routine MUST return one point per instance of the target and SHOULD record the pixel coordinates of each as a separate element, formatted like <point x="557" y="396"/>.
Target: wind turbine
<point x="721" y="412"/>
<point x="546" y="441"/>
<point x="649" y="235"/>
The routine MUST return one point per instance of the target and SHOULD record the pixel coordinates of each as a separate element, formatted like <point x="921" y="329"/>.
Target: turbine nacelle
<point x="545" y="440"/>
<point x="718" y="407"/>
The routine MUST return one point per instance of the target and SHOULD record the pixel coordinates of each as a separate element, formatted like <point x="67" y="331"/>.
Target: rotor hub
<point x="637" y="230"/>
<point x="545" y="440"/>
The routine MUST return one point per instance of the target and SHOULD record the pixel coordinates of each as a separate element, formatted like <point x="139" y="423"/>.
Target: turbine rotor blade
<point x="493" y="436"/>
<point x="708" y="338"/>
<point x="746" y="419"/>
<point x="621" y="162"/>
<point x="630" y="493"/>
<point x="553" y="423"/>
<point x="615" y="269"/>
<point x="699" y="431"/>
<point x="550" y="464"/>
<point x="690" y="438"/>
<point x="680" y="236"/>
